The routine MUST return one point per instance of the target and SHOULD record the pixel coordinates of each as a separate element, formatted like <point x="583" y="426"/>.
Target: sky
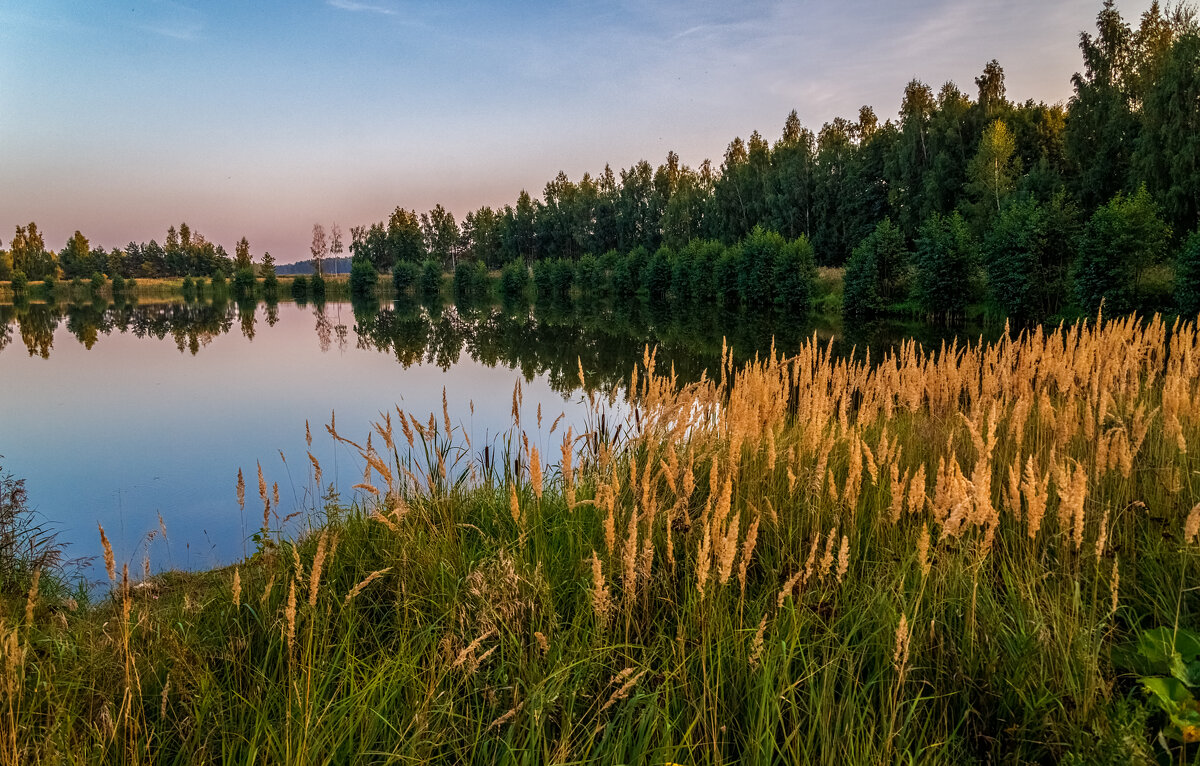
<point x="259" y="119"/>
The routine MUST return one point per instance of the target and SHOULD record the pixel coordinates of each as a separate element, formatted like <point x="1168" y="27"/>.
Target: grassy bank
<point x="932" y="559"/>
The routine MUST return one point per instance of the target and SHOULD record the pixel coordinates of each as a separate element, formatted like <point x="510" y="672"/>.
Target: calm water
<point x="118" y="415"/>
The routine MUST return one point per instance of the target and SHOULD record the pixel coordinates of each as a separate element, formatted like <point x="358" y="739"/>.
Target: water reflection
<point x="546" y="338"/>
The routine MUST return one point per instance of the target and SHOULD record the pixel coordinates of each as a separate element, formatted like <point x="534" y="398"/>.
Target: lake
<point x="125" y="414"/>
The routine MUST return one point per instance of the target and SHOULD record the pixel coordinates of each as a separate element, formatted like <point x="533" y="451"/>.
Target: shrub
<point x="877" y="272"/>
<point x="1027" y="253"/>
<point x="316" y="287"/>
<point x="404" y="276"/>
<point x="431" y="278"/>
<point x="514" y="278"/>
<point x="656" y="277"/>
<point x="243" y="281"/>
<point x="97" y="283"/>
<point x="795" y="276"/>
<point x="363" y="277"/>
<point x="118" y="284"/>
<point x="19" y="282"/>
<point x="300" y="288"/>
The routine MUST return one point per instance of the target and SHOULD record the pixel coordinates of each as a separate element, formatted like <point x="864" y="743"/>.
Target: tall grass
<point x="924" y="558"/>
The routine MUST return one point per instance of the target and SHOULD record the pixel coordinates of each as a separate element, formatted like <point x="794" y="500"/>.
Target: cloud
<point x="353" y="5"/>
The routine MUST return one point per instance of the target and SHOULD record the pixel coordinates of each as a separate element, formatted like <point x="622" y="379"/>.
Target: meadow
<point x="979" y="553"/>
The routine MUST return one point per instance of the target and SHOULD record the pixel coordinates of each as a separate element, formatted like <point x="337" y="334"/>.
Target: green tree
<point x="877" y="273"/>
<point x="1118" y="243"/>
<point x="363" y="277"/>
<point x="76" y="257"/>
<point x="1168" y="154"/>
<point x="335" y="243"/>
<point x="993" y="172"/>
<point x="269" y="278"/>
<point x="1027" y="254"/>
<point x="441" y="234"/>
<point x="1187" y="277"/>
<point x="943" y="267"/>
<point x="404" y="277"/>
<point x="795" y="277"/>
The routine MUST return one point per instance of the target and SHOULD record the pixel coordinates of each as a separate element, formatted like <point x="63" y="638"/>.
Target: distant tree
<point x="241" y="258"/>
<point x="943" y="266"/>
<point x="441" y="236"/>
<point x="319" y="249"/>
<point x="402" y="240"/>
<point x="1118" y="242"/>
<point x="335" y="243"/>
<point x="299" y="288"/>
<point x="269" y="278"/>
<point x="431" y="278"/>
<point x="75" y="258"/>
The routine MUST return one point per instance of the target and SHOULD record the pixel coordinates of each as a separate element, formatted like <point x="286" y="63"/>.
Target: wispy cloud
<point x="353" y="5"/>
<point x="169" y="19"/>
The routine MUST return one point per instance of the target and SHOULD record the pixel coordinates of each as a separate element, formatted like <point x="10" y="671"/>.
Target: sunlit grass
<point x="926" y="558"/>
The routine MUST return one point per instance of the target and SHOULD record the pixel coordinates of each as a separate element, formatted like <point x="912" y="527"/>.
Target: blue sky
<point x="262" y="118"/>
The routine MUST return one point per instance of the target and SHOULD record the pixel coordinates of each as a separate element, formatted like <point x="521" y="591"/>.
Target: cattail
<point x="289" y="615"/>
<point x="314" y="579"/>
<point x="31" y="601"/>
<point x="109" y="562"/>
<point x="357" y="589"/>
<point x="1191" y="528"/>
<point x="241" y="490"/>
<point x="756" y="646"/>
<point x="237" y="588"/>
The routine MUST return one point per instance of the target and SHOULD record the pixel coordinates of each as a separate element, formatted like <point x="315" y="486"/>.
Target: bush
<point x="97" y="283"/>
<point x="25" y="546"/>
<point x="300" y="288"/>
<point x="795" y="277"/>
<point x="363" y="277"/>
<point x="19" y="282"/>
<point x="316" y="287"/>
<point x="1187" y="277"/>
<point x="404" y="276"/>
<point x="48" y="283"/>
<point x="118" y="284"/>
<point x="514" y="278"/>
<point x="243" y="282"/>
<point x="725" y="276"/>
<point x="759" y="250"/>
<point x="656" y="277"/>
<point x="470" y="279"/>
<point x="188" y="288"/>
<point x="431" y="278"/>
<point x="1119" y="242"/>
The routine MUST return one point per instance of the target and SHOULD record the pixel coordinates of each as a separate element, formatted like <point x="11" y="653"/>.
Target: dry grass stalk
<point x="1191" y="527"/>
<point x="31" y="600"/>
<point x="756" y="646"/>
<point x="630" y="551"/>
<point x="469" y="652"/>
<point x="747" y="552"/>
<point x="241" y="490"/>
<point x="923" y="550"/>
<point x="624" y="690"/>
<point x="900" y="653"/>
<point x="1115" y="584"/>
<point x="601" y="602"/>
<point x="535" y="470"/>
<point x="542" y="643"/>
<point x="357" y="589"/>
<point x="289" y="616"/>
<point x="109" y="561"/>
<point x="314" y="579"/>
<point x="514" y="505"/>
<point x="237" y="588"/>
<point x="843" y="559"/>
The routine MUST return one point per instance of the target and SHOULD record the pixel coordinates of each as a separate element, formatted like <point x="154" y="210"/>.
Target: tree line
<point x="1035" y="209"/>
